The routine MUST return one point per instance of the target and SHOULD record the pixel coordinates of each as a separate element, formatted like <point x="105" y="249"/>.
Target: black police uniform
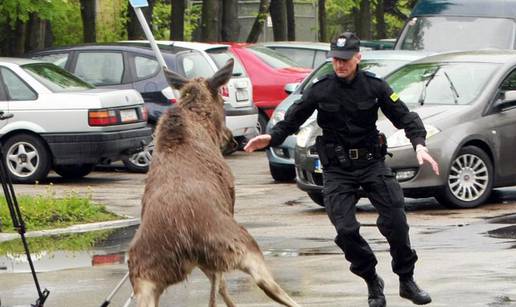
<point x="353" y="157"/>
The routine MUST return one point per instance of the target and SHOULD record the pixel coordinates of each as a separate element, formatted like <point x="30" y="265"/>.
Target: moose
<point x="187" y="206"/>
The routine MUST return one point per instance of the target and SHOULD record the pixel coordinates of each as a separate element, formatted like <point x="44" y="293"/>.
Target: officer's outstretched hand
<point x="423" y="155"/>
<point x="258" y="142"/>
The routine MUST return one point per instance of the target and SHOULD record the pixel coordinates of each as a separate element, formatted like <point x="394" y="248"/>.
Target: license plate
<point x="317" y="166"/>
<point x="128" y="115"/>
<point x="242" y="95"/>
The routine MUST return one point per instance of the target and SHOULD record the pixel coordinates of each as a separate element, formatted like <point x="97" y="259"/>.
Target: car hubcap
<point x="22" y="159"/>
<point x="468" y="177"/>
<point x="143" y="158"/>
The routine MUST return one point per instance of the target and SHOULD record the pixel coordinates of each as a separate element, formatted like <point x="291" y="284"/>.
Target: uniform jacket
<point x="348" y="111"/>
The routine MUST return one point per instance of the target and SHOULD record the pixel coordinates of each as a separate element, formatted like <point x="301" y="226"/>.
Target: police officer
<point x="352" y="152"/>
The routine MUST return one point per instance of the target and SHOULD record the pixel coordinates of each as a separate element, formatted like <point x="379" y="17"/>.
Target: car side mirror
<point x="507" y="100"/>
<point x="291" y="87"/>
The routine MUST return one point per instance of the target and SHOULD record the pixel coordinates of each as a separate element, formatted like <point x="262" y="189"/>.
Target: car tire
<point x="283" y="173"/>
<point x="27" y="158"/>
<point x="74" y="171"/>
<point x="317" y="197"/>
<point x="261" y="125"/>
<point x="470" y="179"/>
<point x="140" y="161"/>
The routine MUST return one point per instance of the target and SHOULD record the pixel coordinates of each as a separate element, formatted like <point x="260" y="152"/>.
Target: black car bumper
<point x="80" y="148"/>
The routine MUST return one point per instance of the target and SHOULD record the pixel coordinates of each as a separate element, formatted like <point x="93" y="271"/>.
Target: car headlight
<point x="277" y="116"/>
<point x="304" y="135"/>
<point x="399" y="139"/>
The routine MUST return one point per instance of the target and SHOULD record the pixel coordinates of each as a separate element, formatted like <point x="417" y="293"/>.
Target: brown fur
<point x="187" y="206"/>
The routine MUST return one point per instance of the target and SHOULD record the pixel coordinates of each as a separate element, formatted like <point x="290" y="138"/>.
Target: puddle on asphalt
<point x="506" y="232"/>
<point x="501" y="301"/>
<point x="69" y="251"/>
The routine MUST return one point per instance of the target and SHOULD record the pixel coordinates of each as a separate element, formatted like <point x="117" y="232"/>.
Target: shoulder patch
<point x="372" y="75"/>
<point x="394" y="97"/>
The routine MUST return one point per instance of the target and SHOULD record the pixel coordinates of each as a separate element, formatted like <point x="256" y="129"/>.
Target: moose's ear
<point x="175" y="80"/>
<point x="222" y="76"/>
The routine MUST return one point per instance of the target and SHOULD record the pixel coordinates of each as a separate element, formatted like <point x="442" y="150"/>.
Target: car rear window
<point x="221" y="55"/>
<point x="195" y="65"/>
<point x="55" y="78"/>
<point x="271" y="57"/>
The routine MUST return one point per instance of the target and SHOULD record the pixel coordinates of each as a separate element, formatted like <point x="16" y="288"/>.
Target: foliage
<point x="12" y="11"/>
<point x="67" y="28"/>
<point x="68" y="242"/>
<point x="161" y="20"/>
<point x="46" y="211"/>
<point x="112" y="20"/>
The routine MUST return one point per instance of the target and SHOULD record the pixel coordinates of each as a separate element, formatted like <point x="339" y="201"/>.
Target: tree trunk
<point x="134" y="29"/>
<point x="210" y="27"/>
<point x="36" y="33"/>
<point x="260" y="20"/>
<point x="88" y="14"/>
<point x="278" y="12"/>
<point x="381" y="28"/>
<point x="365" y="20"/>
<point x="322" y="21"/>
<point x="177" y="24"/>
<point x="20" y="37"/>
<point x="291" y="20"/>
<point x="390" y="7"/>
<point x="230" y="25"/>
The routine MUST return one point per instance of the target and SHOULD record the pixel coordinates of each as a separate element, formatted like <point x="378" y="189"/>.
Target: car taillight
<point x="224" y="91"/>
<point x="172" y="100"/>
<point x="145" y="113"/>
<point x="102" y="117"/>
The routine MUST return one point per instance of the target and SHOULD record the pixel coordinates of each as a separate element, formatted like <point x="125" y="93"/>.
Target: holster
<point x="382" y="141"/>
<point x="321" y="151"/>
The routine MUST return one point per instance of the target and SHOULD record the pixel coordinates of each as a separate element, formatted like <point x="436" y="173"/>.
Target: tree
<point x="261" y="17"/>
<point x="278" y="11"/>
<point x="89" y="17"/>
<point x="134" y="28"/>
<point x="291" y="20"/>
<point x="210" y="28"/>
<point x="379" y="12"/>
<point x="363" y="20"/>
<point x="322" y="21"/>
<point x="230" y="28"/>
<point x="177" y="23"/>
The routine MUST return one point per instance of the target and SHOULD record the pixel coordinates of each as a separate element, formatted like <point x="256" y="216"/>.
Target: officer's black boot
<point x="376" y="297"/>
<point x="410" y="290"/>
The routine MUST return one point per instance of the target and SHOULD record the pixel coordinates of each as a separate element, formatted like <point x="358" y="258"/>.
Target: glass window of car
<point x="15" y="87"/>
<point x="302" y="57"/>
<point x="380" y="67"/>
<point x="320" y="57"/>
<point x="271" y="57"/>
<point x="100" y="68"/>
<point x="55" y="78"/>
<point x="145" y="67"/>
<point x="509" y="84"/>
<point x="441" y="83"/>
<point x="58" y="59"/>
<point x="221" y="55"/>
<point x="323" y="70"/>
<point x="195" y="65"/>
<point x="463" y="33"/>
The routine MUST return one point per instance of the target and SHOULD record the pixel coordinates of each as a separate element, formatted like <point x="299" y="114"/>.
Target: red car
<point x="269" y="72"/>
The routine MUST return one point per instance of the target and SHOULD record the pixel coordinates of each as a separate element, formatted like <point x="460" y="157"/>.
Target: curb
<point x="73" y="229"/>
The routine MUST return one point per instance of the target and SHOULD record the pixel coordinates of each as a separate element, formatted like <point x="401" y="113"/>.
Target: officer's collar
<point x="358" y="75"/>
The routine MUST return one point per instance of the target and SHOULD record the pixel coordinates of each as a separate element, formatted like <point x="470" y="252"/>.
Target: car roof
<point x="18" y="61"/>
<point x="479" y="8"/>
<point x="301" y="45"/>
<point x="183" y="44"/>
<point x="126" y="46"/>
<point x="485" y="55"/>
<point x="402" y="55"/>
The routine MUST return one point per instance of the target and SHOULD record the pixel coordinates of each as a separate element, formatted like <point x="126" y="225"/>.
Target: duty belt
<point x="360" y="153"/>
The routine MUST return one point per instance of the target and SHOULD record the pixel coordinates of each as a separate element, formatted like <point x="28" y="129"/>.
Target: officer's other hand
<point x="258" y="142"/>
<point x="423" y="156"/>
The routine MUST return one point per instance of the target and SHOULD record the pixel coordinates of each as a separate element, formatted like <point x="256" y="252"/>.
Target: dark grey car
<point x="467" y="101"/>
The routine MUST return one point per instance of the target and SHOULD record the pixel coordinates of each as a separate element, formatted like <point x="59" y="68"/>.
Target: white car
<point x="63" y="123"/>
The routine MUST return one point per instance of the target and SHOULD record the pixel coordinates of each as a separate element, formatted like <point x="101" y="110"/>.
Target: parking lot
<point x="466" y="257"/>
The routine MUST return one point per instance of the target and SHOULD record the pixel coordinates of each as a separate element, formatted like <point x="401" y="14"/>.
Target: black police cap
<point x="344" y="46"/>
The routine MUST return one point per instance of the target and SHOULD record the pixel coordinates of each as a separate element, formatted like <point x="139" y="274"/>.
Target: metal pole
<point x="149" y="36"/>
<point x="117" y="287"/>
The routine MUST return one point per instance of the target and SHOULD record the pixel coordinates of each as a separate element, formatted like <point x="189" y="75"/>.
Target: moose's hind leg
<point x="254" y="264"/>
<point x="218" y="282"/>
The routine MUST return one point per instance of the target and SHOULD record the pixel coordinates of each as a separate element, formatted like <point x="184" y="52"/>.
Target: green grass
<point x="67" y="242"/>
<point x="46" y="211"/>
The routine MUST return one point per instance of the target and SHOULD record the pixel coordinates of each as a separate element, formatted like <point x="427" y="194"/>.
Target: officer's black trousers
<point x="384" y="192"/>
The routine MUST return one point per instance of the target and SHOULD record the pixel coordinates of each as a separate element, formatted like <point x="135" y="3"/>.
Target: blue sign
<point x="139" y="3"/>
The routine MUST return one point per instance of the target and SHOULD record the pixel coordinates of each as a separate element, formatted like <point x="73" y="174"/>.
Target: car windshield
<point x="451" y="33"/>
<point x="271" y="57"/>
<point x="55" y="78"/>
<point x="221" y="55"/>
<point x="441" y="83"/>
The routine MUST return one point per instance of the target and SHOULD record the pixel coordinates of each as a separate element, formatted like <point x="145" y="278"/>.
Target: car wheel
<point x="317" y="197"/>
<point x="284" y="173"/>
<point x="140" y="161"/>
<point x="470" y="179"/>
<point x="73" y="171"/>
<point x="27" y="158"/>
<point x="261" y="124"/>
